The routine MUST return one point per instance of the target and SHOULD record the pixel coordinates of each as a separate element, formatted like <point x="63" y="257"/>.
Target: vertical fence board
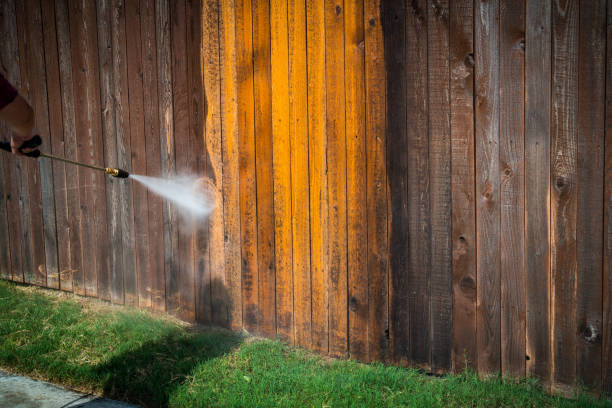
<point x="56" y="139"/>
<point x="590" y="173"/>
<point x="282" y="164"/>
<point x="212" y="88"/>
<point x="606" y="362"/>
<point x="537" y="188"/>
<point x="336" y="175"/>
<point x="419" y="267"/>
<point x="231" y="169"/>
<point x="317" y="137"/>
<point x="74" y="263"/>
<point x="512" y="187"/>
<point x="248" y="189"/>
<point x="155" y="261"/>
<point x="440" y="185"/>
<point x="262" y="88"/>
<point x="376" y="189"/>
<point x="300" y="192"/>
<point x="394" y="29"/>
<point x="463" y="210"/>
<point x="356" y="185"/>
<point x="563" y="192"/>
<point x="487" y="187"/>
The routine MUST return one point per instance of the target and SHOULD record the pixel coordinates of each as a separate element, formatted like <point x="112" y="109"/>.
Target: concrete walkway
<point x="23" y="392"/>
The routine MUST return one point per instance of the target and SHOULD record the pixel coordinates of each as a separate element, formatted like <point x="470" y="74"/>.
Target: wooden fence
<point x="424" y="183"/>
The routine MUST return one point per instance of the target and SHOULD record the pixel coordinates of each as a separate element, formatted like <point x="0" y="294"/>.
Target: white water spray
<point x="190" y="194"/>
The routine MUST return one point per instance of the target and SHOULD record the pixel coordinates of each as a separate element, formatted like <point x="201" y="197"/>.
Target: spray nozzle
<point x="116" y="172"/>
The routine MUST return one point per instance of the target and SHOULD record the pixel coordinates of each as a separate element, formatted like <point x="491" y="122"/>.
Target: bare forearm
<point x="19" y="116"/>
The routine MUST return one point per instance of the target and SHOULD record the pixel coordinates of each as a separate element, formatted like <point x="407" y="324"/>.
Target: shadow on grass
<point x="149" y="374"/>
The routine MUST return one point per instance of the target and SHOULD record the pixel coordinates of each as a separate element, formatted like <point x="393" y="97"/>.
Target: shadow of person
<point x="149" y="374"/>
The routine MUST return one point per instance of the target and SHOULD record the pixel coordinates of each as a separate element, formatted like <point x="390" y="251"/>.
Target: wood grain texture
<point x="300" y="188"/>
<point x="318" y="170"/>
<point x="463" y="222"/>
<point x="282" y="165"/>
<point x="590" y="172"/>
<point x="376" y="192"/>
<point x="356" y="180"/>
<point x="563" y="192"/>
<point x="248" y="177"/>
<point x="419" y="188"/>
<point x="395" y="45"/>
<point x="56" y="141"/>
<point x="231" y="168"/>
<point x="512" y="186"/>
<point x="486" y="51"/>
<point x="606" y="363"/>
<point x="537" y="188"/>
<point x="74" y="265"/>
<point x="262" y="93"/>
<point x="336" y="176"/>
<point x="440" y="185"/>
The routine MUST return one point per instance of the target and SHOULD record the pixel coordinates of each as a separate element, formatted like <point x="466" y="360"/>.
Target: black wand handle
<point x="28" y="144"/>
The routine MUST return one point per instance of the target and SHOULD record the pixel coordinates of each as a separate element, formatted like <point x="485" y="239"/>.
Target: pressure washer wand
<point x="37" y="153"/>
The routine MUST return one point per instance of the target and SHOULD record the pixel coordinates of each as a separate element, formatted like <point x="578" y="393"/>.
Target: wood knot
<point x="469" y="60"/>
<point x="508" y="172"/>
<point x="590" y="334"/>
<point x="467" y="284"/>
<point x="338" y="10"/>
<point x="353" y="304"/>
<point x="372" y="22"/>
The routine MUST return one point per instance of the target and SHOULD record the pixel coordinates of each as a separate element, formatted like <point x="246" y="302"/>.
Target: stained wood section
<point x="537" y="188"/>
<point x="563" y="192"/>
<point x="356" y="176"/>
<point x="262" y="88"/>
<point x="300" y="191"/>
<point x="394" y="27"/>
<point x="376" y="190"/>
<point x="231" y="158"/>
<point x="336" y="175"/>
<point x="512" y="186"/>
<point x="248" y="177"/>
<point x="282" y="165"/>
<point x="486" y="52"/>
<point x="440" y="185"/>
<point x="418" y="182"/>
<point x="606" y="361"/>
<point x="463" y="211"/>
<point x="318" y="170"/>
<point x="590" y="177"/>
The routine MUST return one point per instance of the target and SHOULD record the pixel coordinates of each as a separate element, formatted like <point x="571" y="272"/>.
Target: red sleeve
<point x="8" y="93"/>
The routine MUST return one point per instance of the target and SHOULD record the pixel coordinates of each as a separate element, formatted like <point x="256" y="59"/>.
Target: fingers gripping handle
<point x="28" y="144"/>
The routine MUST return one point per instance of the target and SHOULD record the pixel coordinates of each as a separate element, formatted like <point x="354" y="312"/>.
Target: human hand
<point x="26" y="145"/>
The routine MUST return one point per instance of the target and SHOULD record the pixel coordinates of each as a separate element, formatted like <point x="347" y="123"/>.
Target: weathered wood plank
<point x="606" y="361"/>
<point x="129" y="286"/>
<point x="563" y="193"/>
<point x="231" y="168"/>
<point x="73" y="269"/>
<point x="212" y="84"/>
<point x="166" y="140"/>
<point x="463" y="222"/>
<point x="262" y="88"/>
<point x="537" y="188"/>
<point x="356" y="179"/>
<point x="84" y="58"/>
<point x="590" y="173"/>
<point x="377" y="242"/>
<point x="138" y="148"/>
<point x="184" y="297"/>
<point x="248" y="190"/>
<point x="419" y="267"/>
<point x="317" y="147"/>
<point x="300" y="191"/>
<point x="282" y="165"/>
<point x="512" y="186"/>
<point x="155" y="263"/>
<point x="336" y="175"/>
<point x="394" y="22"/>
<point x="56" y="139"/>
<point x="107" y="93"/>
<point x="487" y="186"/>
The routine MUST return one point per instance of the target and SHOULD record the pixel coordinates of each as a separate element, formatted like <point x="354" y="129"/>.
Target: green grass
<point x="157" y="361"/>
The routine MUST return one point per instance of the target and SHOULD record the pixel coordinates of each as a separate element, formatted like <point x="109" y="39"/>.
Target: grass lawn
<point x="157" y="361"/>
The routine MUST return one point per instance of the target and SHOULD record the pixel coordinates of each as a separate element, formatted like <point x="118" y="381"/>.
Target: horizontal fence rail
<point x="424" y="183"/>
